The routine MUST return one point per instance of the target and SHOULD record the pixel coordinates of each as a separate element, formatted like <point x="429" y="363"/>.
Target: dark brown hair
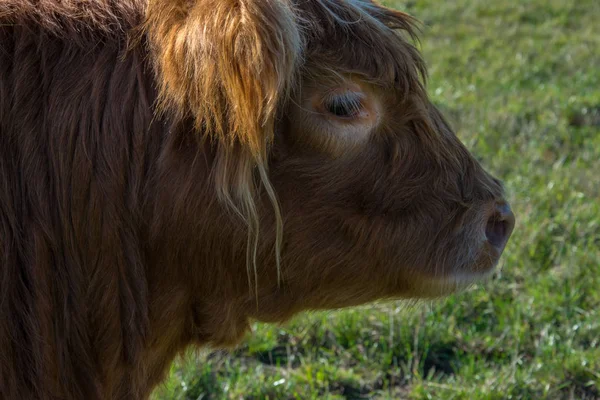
<point x="172" y="169"/>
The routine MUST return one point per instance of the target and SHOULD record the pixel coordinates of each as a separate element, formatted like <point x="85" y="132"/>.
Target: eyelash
<point x="343" y="106"/>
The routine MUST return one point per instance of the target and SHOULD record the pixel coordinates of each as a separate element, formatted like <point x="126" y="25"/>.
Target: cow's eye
<point x="344" y="106"/>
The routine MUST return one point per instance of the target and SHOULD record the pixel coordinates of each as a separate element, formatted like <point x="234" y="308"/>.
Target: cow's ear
<point x="226" y="63"/>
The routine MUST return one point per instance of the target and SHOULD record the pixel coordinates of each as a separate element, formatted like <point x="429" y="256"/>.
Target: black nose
<point x="500" y="225"/>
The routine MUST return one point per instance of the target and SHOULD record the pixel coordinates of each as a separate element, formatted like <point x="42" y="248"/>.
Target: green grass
<point x="520" y="80"/>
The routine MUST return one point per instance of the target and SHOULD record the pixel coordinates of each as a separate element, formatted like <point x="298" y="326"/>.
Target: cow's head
<point x="343" y="176"/>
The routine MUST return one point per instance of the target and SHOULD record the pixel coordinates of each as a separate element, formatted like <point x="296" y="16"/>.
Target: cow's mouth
<point x="480" y="259"/>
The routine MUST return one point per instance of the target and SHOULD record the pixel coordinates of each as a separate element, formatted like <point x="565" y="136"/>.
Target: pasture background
<point x="520" y="81"/>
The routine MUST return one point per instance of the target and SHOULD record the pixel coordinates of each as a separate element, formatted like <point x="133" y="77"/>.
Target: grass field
<point x="520" y="80"/>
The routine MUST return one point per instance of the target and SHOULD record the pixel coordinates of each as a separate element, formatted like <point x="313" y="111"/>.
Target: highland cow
<point x="173" y="169"/>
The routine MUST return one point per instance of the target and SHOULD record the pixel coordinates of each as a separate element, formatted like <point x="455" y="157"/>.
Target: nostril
<point x="495" y="231"/>
<point x="500" y="225"/>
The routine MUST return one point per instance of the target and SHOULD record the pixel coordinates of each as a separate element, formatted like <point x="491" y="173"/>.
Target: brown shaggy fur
<point x="167" y="176"/>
